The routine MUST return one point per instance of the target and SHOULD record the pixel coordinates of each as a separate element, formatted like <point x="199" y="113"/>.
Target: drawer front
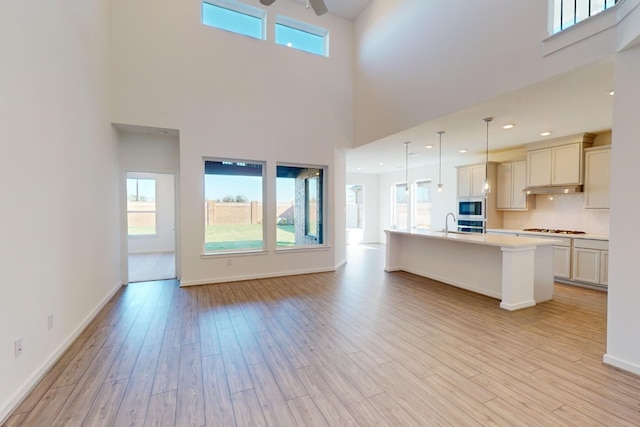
<point x="602" y="245"/>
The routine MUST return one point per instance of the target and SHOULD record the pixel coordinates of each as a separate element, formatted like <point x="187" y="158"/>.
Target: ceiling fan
<point x="318" y="6"/>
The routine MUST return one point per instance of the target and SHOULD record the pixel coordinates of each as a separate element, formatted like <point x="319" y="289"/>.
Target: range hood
<point x="553" y="189"/>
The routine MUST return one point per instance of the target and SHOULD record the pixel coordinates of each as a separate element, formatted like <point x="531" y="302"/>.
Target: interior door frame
<point x="124" y="233"/>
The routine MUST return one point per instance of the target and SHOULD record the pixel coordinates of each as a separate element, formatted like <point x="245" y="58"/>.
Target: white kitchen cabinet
<point x="604" y="268"/>
<point x="557" y="162"/>
<point x="597" y="177"/>
<point x="562" y="261"/>
<point x="588" y="263"/>
<point x="539" y="167"/>
<point x="560" y="165"/>
<point x="471" y="180"/>
<point x="566" y="164"/>
<point x="512" y="179"/>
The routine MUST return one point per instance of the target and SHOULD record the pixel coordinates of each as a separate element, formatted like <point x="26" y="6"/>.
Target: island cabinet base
<point x="517" y="272"/>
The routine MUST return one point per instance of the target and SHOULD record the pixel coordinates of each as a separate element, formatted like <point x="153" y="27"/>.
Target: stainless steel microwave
<point x="472" y="208"/>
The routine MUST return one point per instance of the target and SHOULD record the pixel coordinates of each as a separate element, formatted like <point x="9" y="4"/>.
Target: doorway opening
<point x="355" y="214"/>
<point x="151" y="235"/>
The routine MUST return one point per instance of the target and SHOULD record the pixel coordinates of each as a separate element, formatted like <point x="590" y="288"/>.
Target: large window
<point x="234" y="210"/>
<point x="399" y="205"/>
<point x="569" y="12"/>
<point x="300" y="205"/>
<point x="301" y="36"/>
<point x="234" y="16"/>
<point x="141" y="206"/>
<point x="422" y="204"/>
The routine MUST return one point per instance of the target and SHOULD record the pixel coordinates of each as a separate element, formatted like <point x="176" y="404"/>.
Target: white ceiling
<point x="348" y="9"/>
<point x="573" y="103"/>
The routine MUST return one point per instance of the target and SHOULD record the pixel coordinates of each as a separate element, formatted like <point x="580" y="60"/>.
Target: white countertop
<point x="533" y="233"/>
<point x="480" y="239"/>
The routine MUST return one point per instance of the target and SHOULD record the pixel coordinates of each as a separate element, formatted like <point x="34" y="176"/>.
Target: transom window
<point x="235" y="17"/>
<point x="569" y="12"/>
<point x="301" y="36"/>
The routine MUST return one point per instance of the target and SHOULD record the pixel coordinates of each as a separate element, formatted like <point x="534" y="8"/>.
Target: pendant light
<point x="440" y="163"/>
<point x="486" y="185"/>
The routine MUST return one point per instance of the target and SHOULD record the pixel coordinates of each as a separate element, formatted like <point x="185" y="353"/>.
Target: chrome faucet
<point x="446" y="222"/>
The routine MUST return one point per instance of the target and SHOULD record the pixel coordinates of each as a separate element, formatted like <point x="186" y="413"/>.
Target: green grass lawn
<point x="220" y="237"/>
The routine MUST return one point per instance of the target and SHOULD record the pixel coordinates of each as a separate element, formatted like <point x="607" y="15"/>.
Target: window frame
<point x="415" y="200"/>
<point x="239" y="8"/>
<point x="154" y="211"/>
<point x="304" y="27"/>
<point x="263" y="189"/>
<point x="309" y="241"/>
<point x="394" y="202"/>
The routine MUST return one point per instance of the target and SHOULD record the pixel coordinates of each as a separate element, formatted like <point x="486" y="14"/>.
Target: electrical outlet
<point x="50" y="321"/>
<point x="17" y="347"/>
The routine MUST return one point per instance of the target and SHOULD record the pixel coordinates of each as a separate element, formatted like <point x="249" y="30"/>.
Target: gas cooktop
<point x="547" y="230"/>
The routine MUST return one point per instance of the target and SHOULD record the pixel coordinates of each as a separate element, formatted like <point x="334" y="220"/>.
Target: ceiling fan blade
<point x="318" y="7"/>
<point x="267" y="2"/>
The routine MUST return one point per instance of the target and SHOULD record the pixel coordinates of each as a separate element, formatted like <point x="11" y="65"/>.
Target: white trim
<point x="305" y="28"/>
<point x="258" y="276"/>
<point x="582" y="30"/>
<point x="621" y="364"/>
<point x="302" y="248"/>
<point x="33" y="380"/>
<point x="207" y="255"/>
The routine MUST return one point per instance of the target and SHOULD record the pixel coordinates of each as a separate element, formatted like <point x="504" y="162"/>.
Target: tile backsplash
<point x="565" y="211"/>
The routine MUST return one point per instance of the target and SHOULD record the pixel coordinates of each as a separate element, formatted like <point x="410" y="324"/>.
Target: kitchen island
<point x="516" y="270"/>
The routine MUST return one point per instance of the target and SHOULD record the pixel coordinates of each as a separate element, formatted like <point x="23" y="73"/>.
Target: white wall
<point x="236" y="97"/>
<point x="59" y="251"/>
<point x="442" y="203"/>
<point x="623" y="315"/>
<point x="420" y="60"/>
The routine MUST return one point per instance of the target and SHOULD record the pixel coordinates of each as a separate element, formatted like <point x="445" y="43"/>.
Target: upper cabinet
<point x="557" y="162"/>
<point x="471" y="180"/>
<point x="597" y="177"/>
<point x="511" y="181"/>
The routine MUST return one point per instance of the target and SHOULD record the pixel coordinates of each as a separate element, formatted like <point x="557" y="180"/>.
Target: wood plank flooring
<point x="152" y="266"/>
<point x="358" y="347"/>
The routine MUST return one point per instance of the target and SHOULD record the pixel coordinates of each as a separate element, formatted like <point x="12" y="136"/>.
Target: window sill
<point x="213" y="255"/>
<point x="143" y="236"/>
<point x="310" y="248"/>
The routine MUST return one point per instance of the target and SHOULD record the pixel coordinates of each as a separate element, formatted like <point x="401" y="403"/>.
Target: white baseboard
<point x="621" y="364"/>
<point x="33" y="380"/>
<point x="184" y="283"/>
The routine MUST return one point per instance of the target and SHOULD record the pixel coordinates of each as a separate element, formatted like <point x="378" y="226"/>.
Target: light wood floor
<point x="355" y="347"/>
<point x="152" y="266"/>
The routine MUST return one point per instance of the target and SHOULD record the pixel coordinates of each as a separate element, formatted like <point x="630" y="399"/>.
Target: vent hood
<point x="553" y="189"/>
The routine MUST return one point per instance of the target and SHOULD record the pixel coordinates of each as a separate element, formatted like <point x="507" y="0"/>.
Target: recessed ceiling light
<point x="509" y="126"/>
<point x="545" y="133"/>
<point x="464" y="150"/>
<point x="381" y="163"/>
<point x="612" y="92"/>
<point x="428" y="146"/>
<point x="358" y="169"/>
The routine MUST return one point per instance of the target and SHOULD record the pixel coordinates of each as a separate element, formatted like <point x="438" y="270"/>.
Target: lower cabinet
<point x="575" y="259"/>
<point x="562" y="261"/>
<point x="591" y="261"/>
